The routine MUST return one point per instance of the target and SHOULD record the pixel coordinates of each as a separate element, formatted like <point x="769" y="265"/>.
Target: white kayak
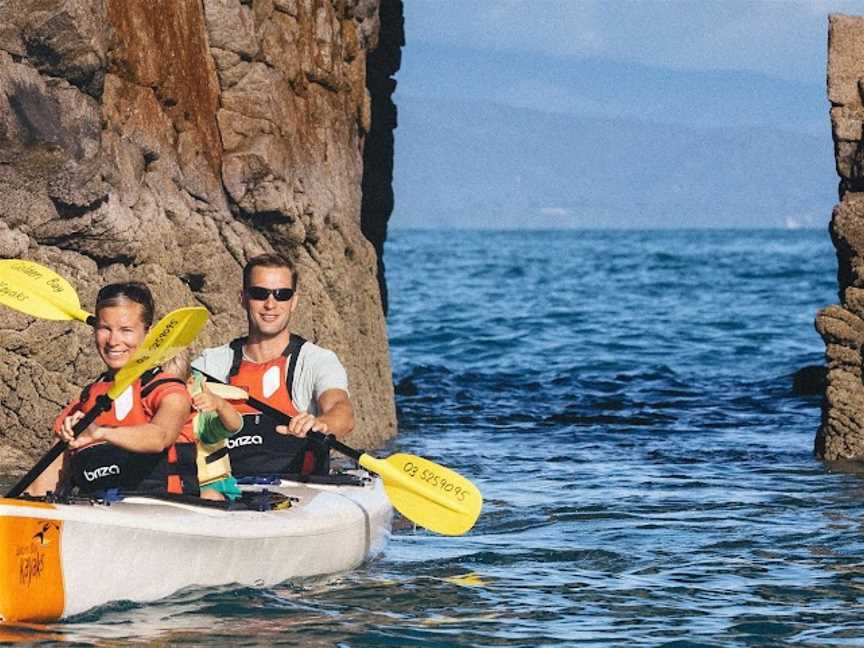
<point x="58" y="560"/>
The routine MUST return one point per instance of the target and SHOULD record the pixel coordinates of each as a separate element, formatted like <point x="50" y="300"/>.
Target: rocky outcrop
<point x="171" y="140"/>
<point x="378" y="154"/>
<point x="841" y="433"/>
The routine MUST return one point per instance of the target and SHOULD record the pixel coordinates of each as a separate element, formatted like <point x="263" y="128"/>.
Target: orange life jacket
<point x="257" y="449"/>
<point x="101" y="466"/>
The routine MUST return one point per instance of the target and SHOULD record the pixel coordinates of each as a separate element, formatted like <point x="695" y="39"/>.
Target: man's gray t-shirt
<point x="318" y="369"/>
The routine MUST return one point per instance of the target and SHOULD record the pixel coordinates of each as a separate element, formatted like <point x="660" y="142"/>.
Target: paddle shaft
<point x="281" y="417"/>
<point x="417" y="500"/>
<point x="103" y="404"/>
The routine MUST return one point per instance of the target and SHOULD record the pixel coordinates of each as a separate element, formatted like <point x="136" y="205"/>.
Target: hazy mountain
<point x="609" y="89"/>
<point x="504" y="140"/>
<point x="478" y="164"/>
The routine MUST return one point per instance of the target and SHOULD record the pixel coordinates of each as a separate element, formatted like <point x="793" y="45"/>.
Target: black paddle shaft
<point x="103" y="404"/>
<point x="281" y="417"/>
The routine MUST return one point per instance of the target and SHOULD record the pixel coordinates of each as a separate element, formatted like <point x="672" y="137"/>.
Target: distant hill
<point x="529" y="140"/>
<point x="609" y="89"/>
<point x="462" y="163"/>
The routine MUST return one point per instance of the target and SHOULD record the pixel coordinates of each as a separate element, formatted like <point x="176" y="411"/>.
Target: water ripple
<point x="624" y="401"/>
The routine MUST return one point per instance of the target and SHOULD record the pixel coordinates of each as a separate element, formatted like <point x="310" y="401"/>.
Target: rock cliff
<point x="169" y="141"/>
<point x="841" y="433"/>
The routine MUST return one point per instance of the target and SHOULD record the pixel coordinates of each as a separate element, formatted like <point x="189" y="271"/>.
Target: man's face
<point x="268" y="317"/>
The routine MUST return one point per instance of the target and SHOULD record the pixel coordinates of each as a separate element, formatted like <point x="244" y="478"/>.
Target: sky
<point x="785" y="39"/>
<point x="692" y="79"/>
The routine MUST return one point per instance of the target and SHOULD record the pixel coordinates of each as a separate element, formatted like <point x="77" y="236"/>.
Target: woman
<point x="136" y="445"/>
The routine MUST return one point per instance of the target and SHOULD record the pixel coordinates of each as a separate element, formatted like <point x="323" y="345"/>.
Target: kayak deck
<point x="58" y="560"/>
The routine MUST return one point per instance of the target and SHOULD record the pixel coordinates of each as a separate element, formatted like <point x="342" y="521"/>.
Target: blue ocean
<point x="624" y="401"/>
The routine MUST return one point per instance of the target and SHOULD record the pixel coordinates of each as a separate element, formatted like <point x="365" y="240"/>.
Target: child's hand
<point x="207" y="401"/>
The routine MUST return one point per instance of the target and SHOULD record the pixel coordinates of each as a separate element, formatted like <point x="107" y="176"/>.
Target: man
<point x="301" y="379"/>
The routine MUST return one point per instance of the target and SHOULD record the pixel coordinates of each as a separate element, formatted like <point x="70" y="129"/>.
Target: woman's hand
<point x="65" y="432"/>
<point x="92" y="434"/>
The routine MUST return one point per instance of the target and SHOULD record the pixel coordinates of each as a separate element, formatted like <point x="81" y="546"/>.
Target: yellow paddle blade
<point x="471" y="579"/>
<point x="169" y="336"/>
<point x="428" y="494"/>
<point x="35" y="290"/>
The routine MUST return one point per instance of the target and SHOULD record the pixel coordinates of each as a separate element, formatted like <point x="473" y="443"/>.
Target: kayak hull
<point x="61" y="560"/>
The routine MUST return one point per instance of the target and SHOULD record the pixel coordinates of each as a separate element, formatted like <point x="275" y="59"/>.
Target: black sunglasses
<point x="260" y="293"/>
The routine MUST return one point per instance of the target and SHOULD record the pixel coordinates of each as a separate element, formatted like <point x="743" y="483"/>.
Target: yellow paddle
<point x="426" y="493"/>
<point x="168" y="337"/>
<point x="35" y="290"/>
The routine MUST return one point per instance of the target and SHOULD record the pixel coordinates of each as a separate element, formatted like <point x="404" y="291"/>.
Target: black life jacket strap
<point x="216" y="456"/>
<point x="85" y="393"/>
<point x="185" y="466"/>
<point x="148" y="389"/>
<point x="107" y="376"/>
<point x="236" y="346"/>
<point x="292" y="350"/>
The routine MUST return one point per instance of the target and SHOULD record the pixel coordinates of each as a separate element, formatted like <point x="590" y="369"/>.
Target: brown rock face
<point x="841" y="434"/>
<point x="169" y="141"/>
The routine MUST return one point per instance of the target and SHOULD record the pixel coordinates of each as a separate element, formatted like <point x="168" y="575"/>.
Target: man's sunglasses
<point x="259" y="293"/>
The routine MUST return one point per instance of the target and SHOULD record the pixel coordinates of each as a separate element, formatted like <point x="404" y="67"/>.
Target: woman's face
<point x="119" y="331"/>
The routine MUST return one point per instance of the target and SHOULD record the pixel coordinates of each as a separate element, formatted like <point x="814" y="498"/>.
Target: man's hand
<point x="302" y="424"/>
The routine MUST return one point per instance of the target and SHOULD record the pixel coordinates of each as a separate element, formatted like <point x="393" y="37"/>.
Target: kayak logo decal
<point x="236" y="442"/>
<point x="36" y="556"/>
<point x="42" y="536"/>
<point x="101" y="471"/>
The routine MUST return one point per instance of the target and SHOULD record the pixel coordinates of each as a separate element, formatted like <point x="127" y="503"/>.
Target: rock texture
<point x="171" y="140"/>
<point x="841" y="433"/>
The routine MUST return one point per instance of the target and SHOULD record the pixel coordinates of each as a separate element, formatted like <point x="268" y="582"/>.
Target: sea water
<point x="624" y="401"/>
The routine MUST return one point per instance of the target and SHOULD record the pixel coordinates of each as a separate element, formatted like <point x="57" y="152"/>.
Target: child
<point x="213" y="421"/>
